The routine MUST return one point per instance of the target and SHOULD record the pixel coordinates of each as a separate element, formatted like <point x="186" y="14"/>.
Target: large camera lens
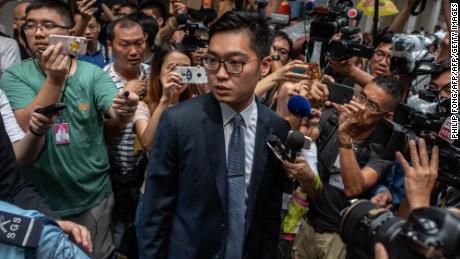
<point x="363" y="224"/>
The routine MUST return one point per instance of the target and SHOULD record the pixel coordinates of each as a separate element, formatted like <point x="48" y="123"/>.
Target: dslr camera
<point x="349" y="45"/>
<point x="428" y="233"/>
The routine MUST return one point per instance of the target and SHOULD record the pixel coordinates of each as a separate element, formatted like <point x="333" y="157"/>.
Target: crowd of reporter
<point x="140" y="163"/>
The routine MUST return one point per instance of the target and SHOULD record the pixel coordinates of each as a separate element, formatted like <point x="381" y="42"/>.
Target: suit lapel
<point x="259" y="162"/>
<point x="214" y="136"/>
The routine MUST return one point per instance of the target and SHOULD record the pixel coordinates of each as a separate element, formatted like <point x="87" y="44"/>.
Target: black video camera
<point x="349" y="45"/>
<point x="428" y="233"/>
<point x="326" y="24"/>
<point x="410" y="55"/>
<point x="197" y="36"/>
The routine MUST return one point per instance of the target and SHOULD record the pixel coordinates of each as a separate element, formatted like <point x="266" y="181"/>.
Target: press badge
<point x="61" y="132"/>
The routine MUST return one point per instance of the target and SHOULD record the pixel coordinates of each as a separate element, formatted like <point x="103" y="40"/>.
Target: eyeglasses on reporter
<point x="370" y="105"/>
<point x="379" y="55"/>
<point x="31" y="27"/>
<point x="232" y="66"/>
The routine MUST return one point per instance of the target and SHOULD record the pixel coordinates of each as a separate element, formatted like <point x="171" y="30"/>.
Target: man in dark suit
<point x="213" y="188"/>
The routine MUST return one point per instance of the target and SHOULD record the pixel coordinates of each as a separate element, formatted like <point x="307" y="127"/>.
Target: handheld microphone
<point x="295" y="141"/>
<point x="299" y="106"/>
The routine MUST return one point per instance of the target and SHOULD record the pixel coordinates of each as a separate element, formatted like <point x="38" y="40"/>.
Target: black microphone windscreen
<point x="295" y="141"/>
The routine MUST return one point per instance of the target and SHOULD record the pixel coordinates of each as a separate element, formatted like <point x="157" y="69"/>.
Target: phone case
<point x="193" y="75"/>
<point x="73" y="46"/>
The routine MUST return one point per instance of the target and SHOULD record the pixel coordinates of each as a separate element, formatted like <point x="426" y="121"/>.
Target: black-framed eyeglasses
<point x="379" y="55"/>
<point x="370" y="105"/>
<point x="232" y="66"/>
<point x="31" y="28"/>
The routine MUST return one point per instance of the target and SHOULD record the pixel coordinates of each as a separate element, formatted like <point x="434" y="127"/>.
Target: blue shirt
<point x="97" y="58"/>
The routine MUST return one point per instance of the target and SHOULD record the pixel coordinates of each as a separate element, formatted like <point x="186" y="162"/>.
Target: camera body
<point x="348" y="46"/>
<point x="410" y="55"/>
<point x="428" y="233"/>
<point x="326" y="23"/>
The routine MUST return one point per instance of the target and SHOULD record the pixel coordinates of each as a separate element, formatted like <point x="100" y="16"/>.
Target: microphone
<point x="295" y="141"/>
<point x="299" y="106"/>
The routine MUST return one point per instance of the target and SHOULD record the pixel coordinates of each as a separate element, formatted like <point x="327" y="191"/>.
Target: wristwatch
<point x="348" y="145"/>
<point x="275" y="57"/>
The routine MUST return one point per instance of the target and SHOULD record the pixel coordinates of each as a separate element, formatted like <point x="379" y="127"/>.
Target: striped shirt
<point x="121" y="153"/>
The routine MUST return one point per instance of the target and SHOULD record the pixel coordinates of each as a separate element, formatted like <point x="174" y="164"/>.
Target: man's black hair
<point x="127" y="3"/>
<point x="151" y="4"/>
<point x="385" y="37"/>
<point x="284" y="36"/>
<point x="124" y="22"/>
<point x="246" y="21"/>
<point x="59" y="6"/>
<point x="149" y="25"/>
<point x="393" y="87"/>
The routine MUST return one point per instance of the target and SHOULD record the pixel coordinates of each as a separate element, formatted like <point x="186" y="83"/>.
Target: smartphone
<point x="193" y="75"/>
<point x="339" y="93"/>
<point x="312" y="71"/>
<point x="51" y="109"/>
<point x="72" y="46"/>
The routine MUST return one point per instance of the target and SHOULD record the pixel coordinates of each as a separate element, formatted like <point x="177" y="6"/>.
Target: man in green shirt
<point x="72" y="171"/>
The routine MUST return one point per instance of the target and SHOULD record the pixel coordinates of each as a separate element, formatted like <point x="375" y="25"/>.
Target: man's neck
<point x="127" y="74"/>
<point x="240" y="107"/>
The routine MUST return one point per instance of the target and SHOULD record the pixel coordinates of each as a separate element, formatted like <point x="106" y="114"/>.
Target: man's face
<point x="377" y="104"/>
<point x="128" y="47"/>
<point x="442" y="84"/>
<point x="154" y="14"/>
<point x="92" y="30"/>
<point x="380" y="61"/>
<point x="19" y="15"/>
<point x="235" y="89"/>
<point x="280" y="47"/>
<point x="43" y="23"/>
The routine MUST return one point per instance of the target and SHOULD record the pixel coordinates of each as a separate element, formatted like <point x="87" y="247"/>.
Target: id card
<point x="61" y="134"/>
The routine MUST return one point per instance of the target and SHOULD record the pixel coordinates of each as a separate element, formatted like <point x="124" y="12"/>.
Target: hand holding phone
<point x="51" y="110"/>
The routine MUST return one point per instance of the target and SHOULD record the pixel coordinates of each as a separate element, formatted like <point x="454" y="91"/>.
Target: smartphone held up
<point x="72" y="46"/>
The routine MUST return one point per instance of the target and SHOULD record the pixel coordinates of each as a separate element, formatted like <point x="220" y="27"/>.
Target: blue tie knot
<point x="236" y="120"/>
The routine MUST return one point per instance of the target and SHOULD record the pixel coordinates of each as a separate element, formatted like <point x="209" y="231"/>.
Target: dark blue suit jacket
<point x="185" y="204"/>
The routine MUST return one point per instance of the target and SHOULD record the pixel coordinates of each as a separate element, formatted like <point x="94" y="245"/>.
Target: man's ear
<point x="109" y="44"/>
<point x="265" y="66"/>
<point x="390" y="115"/>
<point x="161" y="22"/>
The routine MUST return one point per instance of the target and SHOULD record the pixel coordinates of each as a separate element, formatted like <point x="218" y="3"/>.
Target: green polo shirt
<point x="72" y="177"/>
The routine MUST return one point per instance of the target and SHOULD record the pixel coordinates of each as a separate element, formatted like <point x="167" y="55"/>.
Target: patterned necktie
<point x="236" y="191"/>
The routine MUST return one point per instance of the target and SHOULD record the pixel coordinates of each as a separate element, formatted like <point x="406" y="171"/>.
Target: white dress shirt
<point x="249" y="127"/>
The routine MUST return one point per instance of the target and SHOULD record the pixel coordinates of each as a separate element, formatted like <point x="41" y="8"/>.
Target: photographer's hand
<point x="40" y="124"/>
<point x="280" y="75"/>
<point x="302" y="172"/>
<point x="55" y="65"/>
<point x="419" y="178"/>
<point x="138" y="86"/>
<point x="125" y="107"/>
<point x="351" y="115"/>
<point x="318" y="92"/>
<point x="172" y="86"/>
<point x="380" y="252"/>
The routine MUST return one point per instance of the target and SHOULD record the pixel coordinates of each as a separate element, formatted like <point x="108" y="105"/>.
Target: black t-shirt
<point x="324" y="212"/>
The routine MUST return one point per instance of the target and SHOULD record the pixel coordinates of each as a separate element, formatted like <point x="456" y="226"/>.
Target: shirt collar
<point x="228" y="113"/>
